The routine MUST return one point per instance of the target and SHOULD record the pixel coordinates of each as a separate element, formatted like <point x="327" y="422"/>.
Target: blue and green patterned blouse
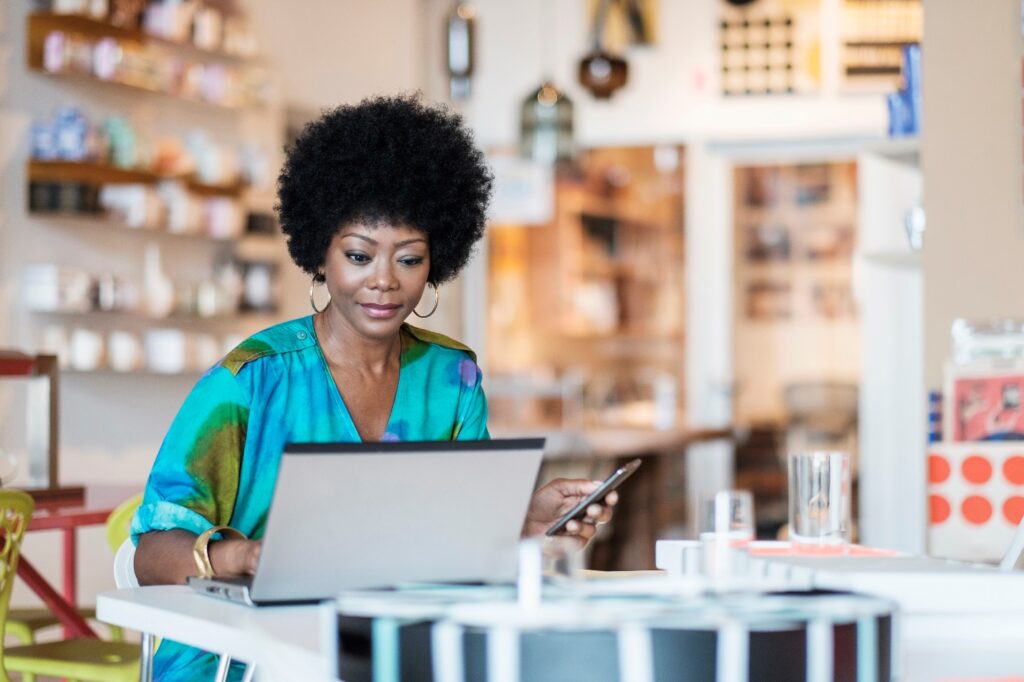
<point x="218" y="462"/>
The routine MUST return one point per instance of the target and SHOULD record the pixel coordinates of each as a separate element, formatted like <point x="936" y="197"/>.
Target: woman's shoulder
<point x="428" y="340"/>
<point x="284" y="337"/>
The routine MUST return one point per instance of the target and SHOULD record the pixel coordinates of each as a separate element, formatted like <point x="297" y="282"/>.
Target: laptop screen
<point x="357" y="515"/>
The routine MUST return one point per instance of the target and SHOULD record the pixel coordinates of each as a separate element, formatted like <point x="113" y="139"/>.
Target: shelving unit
<point x="149" y="67"/>
<point x="81" y="221"/>
<point x="597" y="291"/>
<point x="43" y="24"/>
<point x="795" y="315"/>
<point x="188" y="374"/>
<point x="905" y="150"/>
<point x="143" y="318"/>
<point x="104" y="174"/>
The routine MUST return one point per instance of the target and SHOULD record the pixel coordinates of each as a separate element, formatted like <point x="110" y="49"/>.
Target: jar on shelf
<point x="994" y="339"/>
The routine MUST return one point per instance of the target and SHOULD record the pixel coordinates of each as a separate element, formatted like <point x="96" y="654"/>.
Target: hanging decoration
<point x="770" y="47"/>
<point x="460" y="29"/>
<point x="546" y="115"/>
<point x="546" y="125"/>
<point x="600" y="71"/>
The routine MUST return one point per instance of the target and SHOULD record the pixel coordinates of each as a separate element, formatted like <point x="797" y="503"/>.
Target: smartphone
<point x="609" y="484"/>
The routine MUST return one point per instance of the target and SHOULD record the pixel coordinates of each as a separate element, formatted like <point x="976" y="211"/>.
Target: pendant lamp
<point x="546" y="115"/>
<point x="546" y="125"/>
<point x="460" y="33"/>
<point x="600" y="71"/>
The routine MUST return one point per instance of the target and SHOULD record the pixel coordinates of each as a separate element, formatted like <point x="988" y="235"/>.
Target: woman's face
<point x="376" y="274"/>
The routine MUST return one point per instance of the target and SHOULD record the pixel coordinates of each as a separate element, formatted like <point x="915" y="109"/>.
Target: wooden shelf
<point x="906" y="150"/>
<point x="42" y="23"/>
<point x="899" y="259"/>
<point x="93" y="82"/>
<point x="173" y="319"/>
<point x="190" y="374"/>
<point x="103" y="174"/>
<point x="105" y="222"/>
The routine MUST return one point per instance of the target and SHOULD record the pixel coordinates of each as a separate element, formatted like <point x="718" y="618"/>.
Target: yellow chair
<point x="75" y="659"/>
<point x="23" y="624"/>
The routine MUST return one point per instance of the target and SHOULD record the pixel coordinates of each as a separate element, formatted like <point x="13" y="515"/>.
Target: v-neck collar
<point x="339" y="400"/>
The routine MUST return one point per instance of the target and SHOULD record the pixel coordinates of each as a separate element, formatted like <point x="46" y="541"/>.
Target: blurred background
<point x="706" y="246"/>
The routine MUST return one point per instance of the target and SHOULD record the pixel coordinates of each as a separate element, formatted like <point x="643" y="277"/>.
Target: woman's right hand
<point x="234" y="557"/>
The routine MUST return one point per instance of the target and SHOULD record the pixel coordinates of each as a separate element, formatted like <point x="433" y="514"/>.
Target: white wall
<point x="331" y="52"/>
<point x="672" y="95"/>
<point x="971" y="155"/>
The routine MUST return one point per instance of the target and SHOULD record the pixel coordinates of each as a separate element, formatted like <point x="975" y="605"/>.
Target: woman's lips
<point x="380" y="311"/>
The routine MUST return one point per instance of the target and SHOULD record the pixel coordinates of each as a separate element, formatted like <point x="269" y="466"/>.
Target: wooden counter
<point x="653" y="501"/>
<point x="613" y="443"/>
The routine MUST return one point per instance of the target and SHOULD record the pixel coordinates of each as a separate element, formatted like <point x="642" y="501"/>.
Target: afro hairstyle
<point x="386" y="160"/>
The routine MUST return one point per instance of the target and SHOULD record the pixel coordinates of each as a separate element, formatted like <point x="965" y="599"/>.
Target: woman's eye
<point x="358" y="257"/>
<point x="411" y="261"/>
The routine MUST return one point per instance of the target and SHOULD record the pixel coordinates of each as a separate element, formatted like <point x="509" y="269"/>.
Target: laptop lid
<point x="356" y="515"/>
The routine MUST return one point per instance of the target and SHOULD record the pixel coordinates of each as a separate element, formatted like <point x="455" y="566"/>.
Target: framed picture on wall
<point x="985" y="405"/>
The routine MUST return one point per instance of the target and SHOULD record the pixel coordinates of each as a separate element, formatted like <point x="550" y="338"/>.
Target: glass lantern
<point x="546" y="125"/>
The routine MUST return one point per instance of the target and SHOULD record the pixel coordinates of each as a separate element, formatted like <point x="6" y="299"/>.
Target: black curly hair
<point x="385" y="160"/>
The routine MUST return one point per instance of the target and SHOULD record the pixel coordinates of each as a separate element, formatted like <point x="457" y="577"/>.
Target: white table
<point x="956" y="621"/>
<point x="285" y="643"/>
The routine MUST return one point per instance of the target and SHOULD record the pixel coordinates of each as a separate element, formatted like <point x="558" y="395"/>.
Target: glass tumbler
<point x="819" y="498"/>
<point x="726" y="525"/>
<point x="727" y="514"/>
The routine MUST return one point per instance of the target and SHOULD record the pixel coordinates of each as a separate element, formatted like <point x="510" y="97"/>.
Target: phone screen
<point x="608" y="485"/>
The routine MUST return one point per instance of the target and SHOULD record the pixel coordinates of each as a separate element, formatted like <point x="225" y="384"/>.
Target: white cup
<point x="124" y="351"/>
<point x="86" y="348"/>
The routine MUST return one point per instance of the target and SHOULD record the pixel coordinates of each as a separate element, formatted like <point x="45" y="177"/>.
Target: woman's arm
<point x="165" y="557"/>
<point x="194" y="483"/>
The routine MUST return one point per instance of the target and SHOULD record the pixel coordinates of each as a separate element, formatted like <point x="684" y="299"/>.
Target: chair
<point x="23" y="624"/>
<point x="76" y="659"/>
<point x="125" y="578"/>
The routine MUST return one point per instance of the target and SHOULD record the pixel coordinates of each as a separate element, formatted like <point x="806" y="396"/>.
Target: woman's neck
<point x="344" y="347"/>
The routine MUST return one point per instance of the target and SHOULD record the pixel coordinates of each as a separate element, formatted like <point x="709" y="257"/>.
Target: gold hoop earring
<point x="318" y="278"/>
<point x="437" y="299"/>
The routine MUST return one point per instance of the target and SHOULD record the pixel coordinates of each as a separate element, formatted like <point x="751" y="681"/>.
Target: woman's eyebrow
<point x="360" y="236"/>
<point x="406" y="242"/>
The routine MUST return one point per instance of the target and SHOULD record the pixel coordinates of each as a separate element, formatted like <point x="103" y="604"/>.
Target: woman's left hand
<point x="556" y="498"/>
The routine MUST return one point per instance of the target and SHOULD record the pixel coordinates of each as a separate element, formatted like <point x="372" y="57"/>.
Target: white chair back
<point x="124" y="566"/>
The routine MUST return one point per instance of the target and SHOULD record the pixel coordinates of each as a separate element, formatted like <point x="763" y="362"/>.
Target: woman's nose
<point x="383" y="277"/>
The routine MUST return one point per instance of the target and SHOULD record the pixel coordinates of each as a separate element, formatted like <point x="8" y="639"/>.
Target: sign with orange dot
<point x="975" y="498"/>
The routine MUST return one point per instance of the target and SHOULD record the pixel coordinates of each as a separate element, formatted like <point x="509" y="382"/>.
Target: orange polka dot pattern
<point x="938" y="468"/>
<point x="975" y="498"/>
<point x="939" y="509"/>
<point x="976" y="509"/>
<point x="977" y="469"/>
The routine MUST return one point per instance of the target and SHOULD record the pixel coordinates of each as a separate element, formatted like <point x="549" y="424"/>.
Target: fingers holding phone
<point x="574" y="507"/>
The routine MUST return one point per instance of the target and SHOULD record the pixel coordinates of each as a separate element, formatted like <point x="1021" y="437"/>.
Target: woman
<point x="379" y="201"/>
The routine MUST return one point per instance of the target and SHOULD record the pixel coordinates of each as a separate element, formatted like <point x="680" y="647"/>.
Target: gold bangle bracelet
<point x="201" y="550"/>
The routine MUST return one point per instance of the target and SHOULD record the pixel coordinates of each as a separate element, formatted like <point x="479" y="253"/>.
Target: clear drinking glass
<point x="819" y="498"/>
<point x="725" y="522"/>
<point x="727" y="514"/>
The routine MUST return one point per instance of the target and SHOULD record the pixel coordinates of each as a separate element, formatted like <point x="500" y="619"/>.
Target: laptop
<point x="374" y="515"/>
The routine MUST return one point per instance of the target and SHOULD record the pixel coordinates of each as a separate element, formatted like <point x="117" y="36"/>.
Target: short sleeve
<point x="471" y="423"/>
<point x="194" y="481"/>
